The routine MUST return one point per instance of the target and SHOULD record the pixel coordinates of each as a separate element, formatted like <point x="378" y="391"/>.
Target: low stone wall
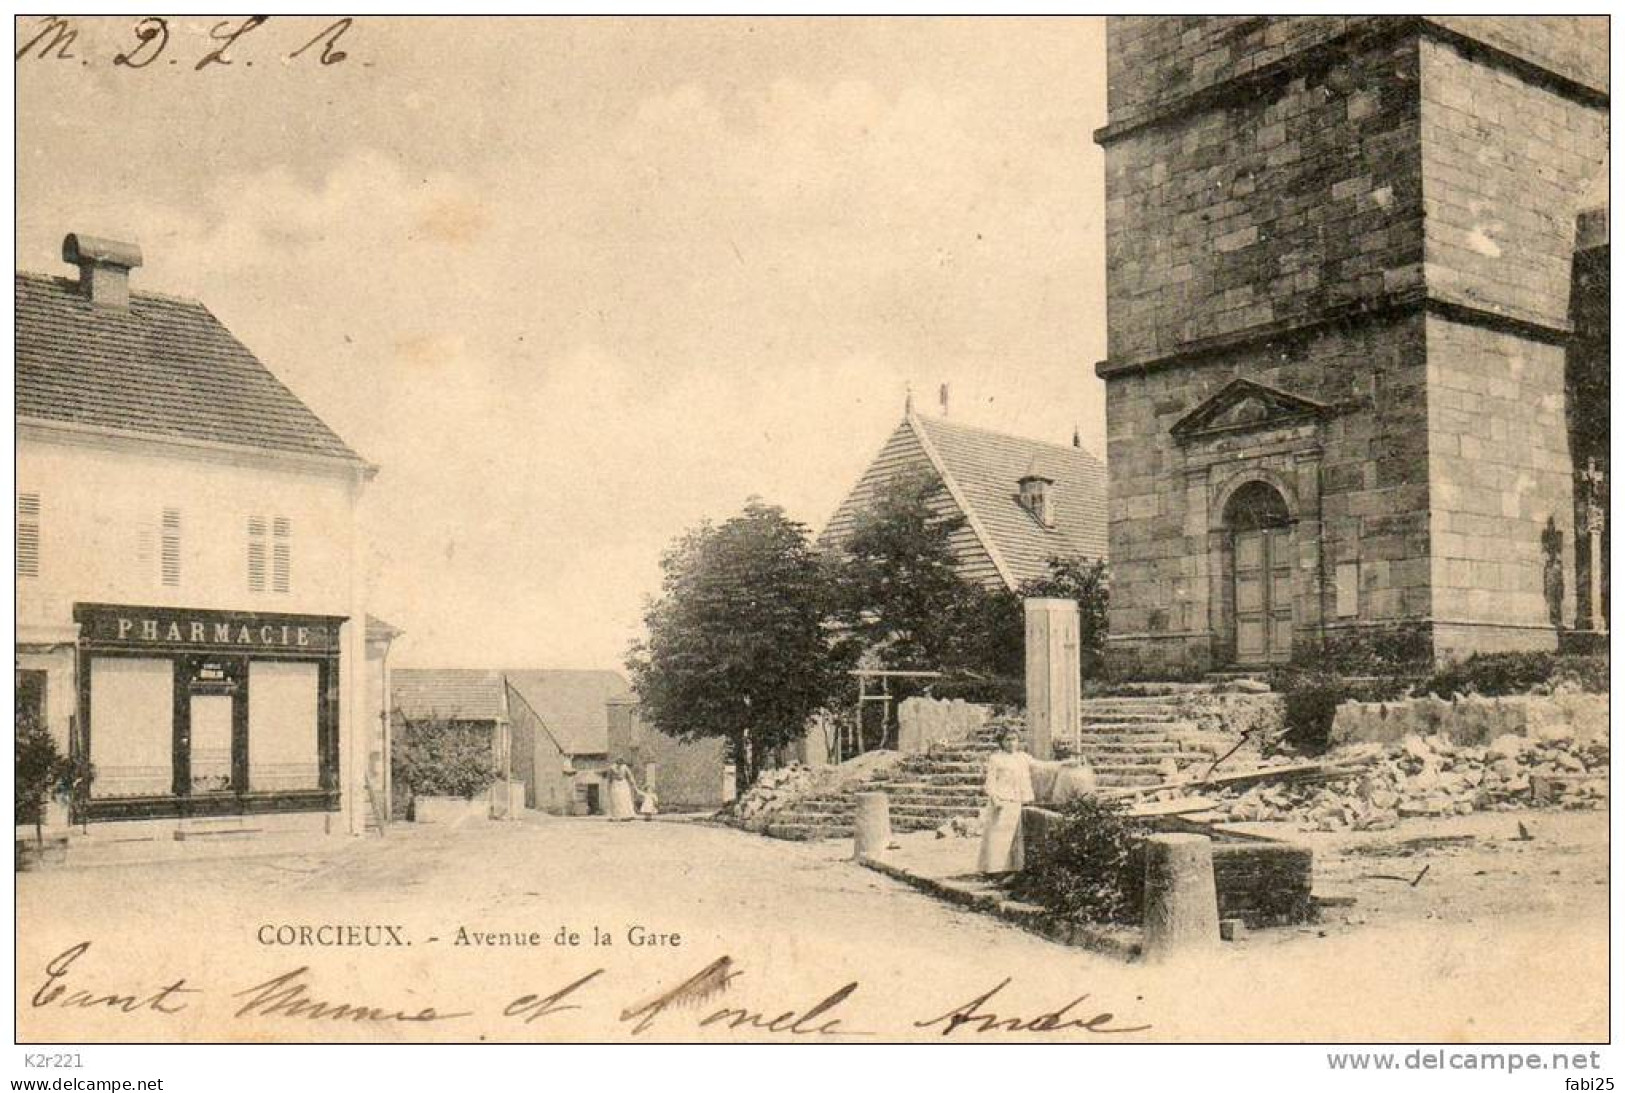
<point x="922" y="722"/>
<point x="1474" y="720"/>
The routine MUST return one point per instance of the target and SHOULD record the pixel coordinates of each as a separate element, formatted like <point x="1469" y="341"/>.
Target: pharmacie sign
<point x="246" y="631"/>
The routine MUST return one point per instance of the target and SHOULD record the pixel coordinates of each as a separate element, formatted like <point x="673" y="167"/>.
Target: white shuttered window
<point x="28" y="534"/>
<point x="281" y="554"/>
<point x="256" y="553"/>
<point x="169" y="549"/>
<point x="270" y="554"/>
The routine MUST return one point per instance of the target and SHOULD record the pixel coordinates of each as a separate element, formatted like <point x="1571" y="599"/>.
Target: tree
<point x="899" y="592"/>
<point x="737" y="645"/>
<point x="439" y="757"/>
<point x="1077" y="578"/>
<point x="40" y="769"/>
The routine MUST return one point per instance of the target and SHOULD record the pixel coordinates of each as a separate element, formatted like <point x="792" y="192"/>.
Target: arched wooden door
<point x="1263" y="556"/>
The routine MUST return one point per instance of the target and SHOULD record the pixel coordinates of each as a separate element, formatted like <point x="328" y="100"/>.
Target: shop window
<point x="132" y="727"/>
<point x="283" y="707"/>
<point x="169" y="549"/>
<point x="28" y="525"/>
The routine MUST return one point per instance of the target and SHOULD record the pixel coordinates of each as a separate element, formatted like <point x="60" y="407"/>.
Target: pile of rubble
<point x="779" y="791"/>
<point x="773" y="789"/>
<point x="1377" y="785"/>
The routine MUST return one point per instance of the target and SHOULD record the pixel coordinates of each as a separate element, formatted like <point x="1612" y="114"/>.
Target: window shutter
<point x="28" y="522"/>
<point x="169" y="552"/>
<point x="256" y="554"/>
<point x="281" y="554"/>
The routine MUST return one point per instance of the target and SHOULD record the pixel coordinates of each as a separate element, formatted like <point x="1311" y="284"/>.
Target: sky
<point x="577" y="285"/>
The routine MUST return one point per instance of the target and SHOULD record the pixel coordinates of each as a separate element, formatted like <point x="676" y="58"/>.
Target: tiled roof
<point x="455" y="694"/>
<point x="572" y="704"/>
<point x="982" y="470"/>
<point x="905" y="452"/>
<point x="165" y="366"/>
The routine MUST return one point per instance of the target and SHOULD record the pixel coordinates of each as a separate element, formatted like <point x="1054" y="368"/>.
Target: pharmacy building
<point x="190" y="614"/>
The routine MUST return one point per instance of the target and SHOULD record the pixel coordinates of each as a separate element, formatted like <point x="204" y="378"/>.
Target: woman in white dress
<point x="620" y="792"/>
<point x="1009" y="785"/>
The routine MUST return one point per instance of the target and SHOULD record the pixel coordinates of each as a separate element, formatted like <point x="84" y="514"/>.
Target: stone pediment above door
<point x="1246" y="406"/>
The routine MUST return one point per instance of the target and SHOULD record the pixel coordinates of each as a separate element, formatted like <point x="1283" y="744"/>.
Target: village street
<point x="796" y="921"/>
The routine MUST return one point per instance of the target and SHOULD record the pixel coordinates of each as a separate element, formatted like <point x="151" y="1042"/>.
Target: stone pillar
<point x="1053" y="711"/>
<point x="1592" y="517"/>
<point x="871" y="825"/>
<point x="1181" y="899"/>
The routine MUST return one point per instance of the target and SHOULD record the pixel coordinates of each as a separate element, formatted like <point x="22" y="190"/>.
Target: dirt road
<point x="701" y="920"/>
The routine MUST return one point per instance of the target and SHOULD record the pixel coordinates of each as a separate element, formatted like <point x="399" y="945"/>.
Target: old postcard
<point x="843" y="530"/>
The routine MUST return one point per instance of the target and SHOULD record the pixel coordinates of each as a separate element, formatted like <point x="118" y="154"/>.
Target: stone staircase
<point x="1130" y="740"/>
<point x="925" y="791"/>
<point x="1135" y="740"/>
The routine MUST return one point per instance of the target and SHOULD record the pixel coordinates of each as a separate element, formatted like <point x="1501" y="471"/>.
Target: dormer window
<point x="1038" y="497"/>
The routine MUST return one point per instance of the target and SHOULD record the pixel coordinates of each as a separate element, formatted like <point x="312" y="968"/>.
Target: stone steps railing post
<point x="1181" y="898"/>
<point x="871" y="825"/>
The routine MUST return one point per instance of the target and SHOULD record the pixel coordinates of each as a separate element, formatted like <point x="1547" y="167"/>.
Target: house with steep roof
<point x="562" y="735"/>
<point x="1022" y="501"/>
<point x="191" y="620"/>
<point x="558" y="730"/>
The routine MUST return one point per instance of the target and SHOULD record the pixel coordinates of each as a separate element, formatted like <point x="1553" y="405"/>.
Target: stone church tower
<point x="1339" y="259"/>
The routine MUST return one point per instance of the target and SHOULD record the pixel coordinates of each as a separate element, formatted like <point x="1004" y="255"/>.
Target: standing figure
<point x="1009" y="785"/>
<point x="620" y="792"/>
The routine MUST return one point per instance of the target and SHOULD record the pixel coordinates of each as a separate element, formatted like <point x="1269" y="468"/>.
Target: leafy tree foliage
<point x="438" y="757"/>
<point x="899" y="593"/>
<point x="1094" y="870"/>
<point x="737" y="645"/>
<point x="1077" y="578"/>
<point x="40" y="769"/>
<point x="902" y="596"/>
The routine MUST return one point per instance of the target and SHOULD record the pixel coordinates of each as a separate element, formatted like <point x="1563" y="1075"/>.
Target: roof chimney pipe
<point x="104" y="269"/>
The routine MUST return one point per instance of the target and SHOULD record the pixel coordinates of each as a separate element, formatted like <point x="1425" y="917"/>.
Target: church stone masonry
<point x="1339" y="259"/>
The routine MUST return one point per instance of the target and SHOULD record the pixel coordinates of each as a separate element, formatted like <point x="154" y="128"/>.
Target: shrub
<point x="1094" y="868"/>
<point x="439" y="758"/>
<point x="41" y="769"/>
<point x="1398" y="649"/>
<point x="1495" y="674"/>
<point x="1309" y="702"/>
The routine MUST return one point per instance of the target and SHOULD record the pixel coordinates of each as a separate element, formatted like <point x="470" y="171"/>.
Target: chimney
<point x="104" y="269"/>
<point x="1038" y="497"/>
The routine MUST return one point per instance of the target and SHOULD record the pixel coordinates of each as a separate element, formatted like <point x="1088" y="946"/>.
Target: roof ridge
<point x="1076" y="449"/>
<point x="961" y="499"/>
<point x="516" y="693"/>
<point x="135" y="294"/>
